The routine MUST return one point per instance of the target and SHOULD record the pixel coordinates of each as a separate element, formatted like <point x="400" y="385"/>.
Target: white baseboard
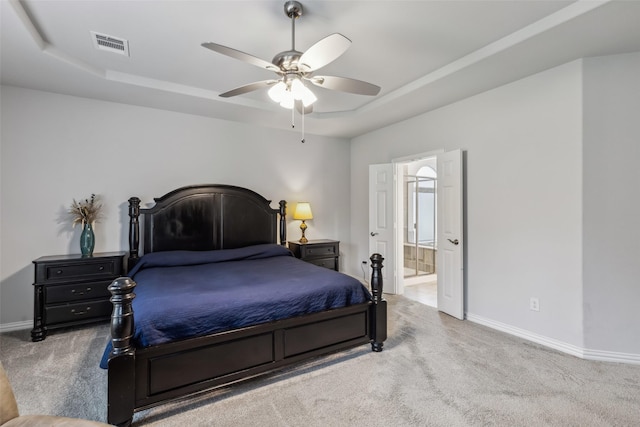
<point x="583" y="353"/>
<point x="610" y="356"/>
<point x="16" y="326"/>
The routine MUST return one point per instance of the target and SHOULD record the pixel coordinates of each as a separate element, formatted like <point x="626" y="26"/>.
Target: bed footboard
<point x="142" y="378"/>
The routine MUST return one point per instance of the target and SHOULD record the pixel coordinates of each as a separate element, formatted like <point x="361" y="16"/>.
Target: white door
<point x="450" y="240"/>
<point x="381" y="233"/>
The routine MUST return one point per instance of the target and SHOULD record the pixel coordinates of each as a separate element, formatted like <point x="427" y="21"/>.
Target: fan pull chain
<point x="302" y="124"/>
<point x="293" y="121"/>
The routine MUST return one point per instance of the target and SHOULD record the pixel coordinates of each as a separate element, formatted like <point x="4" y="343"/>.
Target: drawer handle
<point x="101" y="268"/>
<point x="73" y="291"/>
<point x="79" y="313"/>
<point x="59" y="272"/>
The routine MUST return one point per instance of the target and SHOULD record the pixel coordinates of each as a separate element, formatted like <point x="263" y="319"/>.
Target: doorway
<point x="387" y="223"/>
<point x="418" y="238"/>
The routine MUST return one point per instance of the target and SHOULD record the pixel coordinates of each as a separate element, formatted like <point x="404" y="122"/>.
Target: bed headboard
<point x="205" y="217"/>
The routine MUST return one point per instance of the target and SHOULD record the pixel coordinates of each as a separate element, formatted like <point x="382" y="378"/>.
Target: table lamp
<point x="303" y="212"/>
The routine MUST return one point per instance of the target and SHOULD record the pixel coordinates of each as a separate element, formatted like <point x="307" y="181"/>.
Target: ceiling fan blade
<point x="345" y="84"/>
<point x="236" y="54"/>
<point x="248" y="88"/>
<point x="323" y="52"/>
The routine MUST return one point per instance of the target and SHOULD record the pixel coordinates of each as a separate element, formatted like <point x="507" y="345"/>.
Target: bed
<point x="233" y="235"/>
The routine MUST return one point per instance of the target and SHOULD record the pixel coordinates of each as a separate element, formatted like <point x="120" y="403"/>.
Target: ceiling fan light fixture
<point x="278" y="92"/>
<point x="308" y="97"/>
<point x="286" y="92"/>
<point x="297" y="88"/>
<point x="288" y="102"/>
<point x="302" y="93"/>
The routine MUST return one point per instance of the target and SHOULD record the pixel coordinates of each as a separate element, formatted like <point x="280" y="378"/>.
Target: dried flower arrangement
<point x="87" y="211"/>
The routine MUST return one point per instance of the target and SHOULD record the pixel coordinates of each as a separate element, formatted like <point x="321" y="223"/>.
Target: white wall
<point x="523" y="153"/>
<point x="56" y="148"/>
<point x="612" y="203"/>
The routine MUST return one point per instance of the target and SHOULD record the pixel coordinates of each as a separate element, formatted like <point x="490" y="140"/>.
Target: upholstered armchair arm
<point x="10" y="417"/>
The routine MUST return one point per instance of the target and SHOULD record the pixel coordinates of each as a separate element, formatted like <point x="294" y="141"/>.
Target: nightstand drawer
<point x="77" y="312"/>
<point x="85" y="270"/>
<point x="324" y="262"/>
<point x="80" y="291"/>
<point x="319" y="251"/>
<point x="323" y="252"/>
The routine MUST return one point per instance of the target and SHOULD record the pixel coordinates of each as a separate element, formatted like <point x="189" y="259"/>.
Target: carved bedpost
<point x="121" y="374"/>
<point x="134" y="231"/>
<point x="283" y="222"/>
<point x="378" y="330"/>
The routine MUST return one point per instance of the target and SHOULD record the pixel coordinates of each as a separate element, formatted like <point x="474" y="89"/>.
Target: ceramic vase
<point x="87" y="240"/>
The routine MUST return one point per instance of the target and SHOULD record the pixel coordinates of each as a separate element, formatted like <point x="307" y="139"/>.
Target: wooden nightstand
<point x="72" y="290"/>
<point x="325" y="253"/>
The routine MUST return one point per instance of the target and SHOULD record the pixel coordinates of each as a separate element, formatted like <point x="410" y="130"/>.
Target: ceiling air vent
<point x="110" y="43"/>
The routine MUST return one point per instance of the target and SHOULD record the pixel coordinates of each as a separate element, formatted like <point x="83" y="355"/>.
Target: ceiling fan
<point x="294" y="68"/>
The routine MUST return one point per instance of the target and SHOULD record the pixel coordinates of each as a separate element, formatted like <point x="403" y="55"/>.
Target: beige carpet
<point x="434" y="371"/>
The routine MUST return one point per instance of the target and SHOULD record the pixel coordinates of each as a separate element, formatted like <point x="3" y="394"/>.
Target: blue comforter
<point x="182" y="294"/>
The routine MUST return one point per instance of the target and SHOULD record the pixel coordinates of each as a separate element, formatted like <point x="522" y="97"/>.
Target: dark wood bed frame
<point x="208" y="217"/>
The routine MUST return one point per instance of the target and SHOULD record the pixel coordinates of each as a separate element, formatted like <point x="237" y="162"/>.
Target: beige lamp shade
<point x="303" y="211"/>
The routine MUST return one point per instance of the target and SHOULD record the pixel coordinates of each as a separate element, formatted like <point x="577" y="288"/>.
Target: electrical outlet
<point x="534" y="304"/>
